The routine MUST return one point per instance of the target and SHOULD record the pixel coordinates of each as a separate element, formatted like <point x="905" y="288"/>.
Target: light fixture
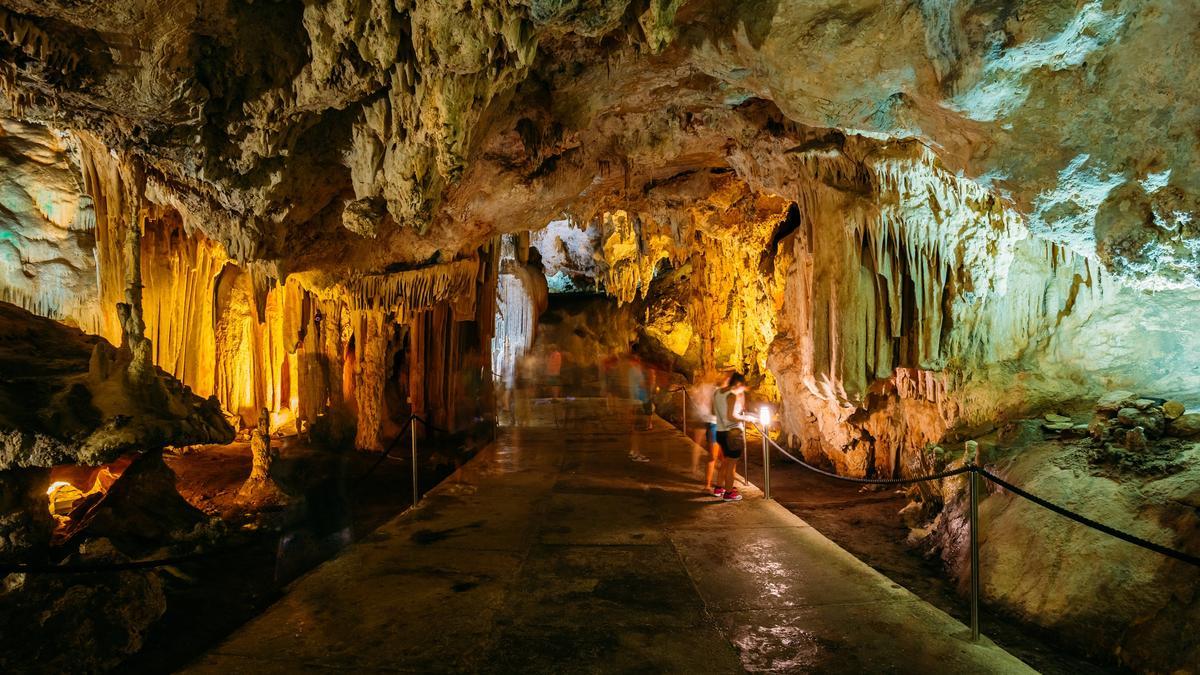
<point x="764" y="416"/>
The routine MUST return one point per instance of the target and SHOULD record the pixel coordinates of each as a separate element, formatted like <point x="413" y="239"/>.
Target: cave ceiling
<point x="367" y="133"/>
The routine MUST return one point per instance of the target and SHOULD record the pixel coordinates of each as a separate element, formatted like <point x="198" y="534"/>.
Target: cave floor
<point x="552" y="551"/>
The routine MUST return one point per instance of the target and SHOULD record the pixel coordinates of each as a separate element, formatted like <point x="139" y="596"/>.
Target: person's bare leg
<point x="727" y="466"/>
<point x="711" y="471"/>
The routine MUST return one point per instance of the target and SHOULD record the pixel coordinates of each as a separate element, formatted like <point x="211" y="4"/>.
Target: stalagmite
<point x="260" y="488"/>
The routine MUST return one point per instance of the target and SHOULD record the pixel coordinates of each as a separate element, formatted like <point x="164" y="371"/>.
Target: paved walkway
<point x="551" y="551"/>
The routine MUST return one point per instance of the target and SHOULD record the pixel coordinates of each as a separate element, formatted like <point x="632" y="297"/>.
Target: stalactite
<point x="892" y="300"/>
<point x="415" y="290"/>
<point x="102" y="182"/>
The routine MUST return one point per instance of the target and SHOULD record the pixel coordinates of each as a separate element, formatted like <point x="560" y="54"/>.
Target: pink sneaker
<point x="733" y="496"/>
<point x="717" y="492"/>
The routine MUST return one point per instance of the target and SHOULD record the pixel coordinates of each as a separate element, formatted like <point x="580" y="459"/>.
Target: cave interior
<point x="252" y="252"/>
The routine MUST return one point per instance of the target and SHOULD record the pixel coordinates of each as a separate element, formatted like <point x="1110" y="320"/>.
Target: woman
<point x="729" y="404"/>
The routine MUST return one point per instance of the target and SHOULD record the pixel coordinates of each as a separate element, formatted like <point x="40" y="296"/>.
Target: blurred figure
<point x="702" y="394"/>
<point x="639" y="390"/>
<point x="554" y="363"/>
<point x="729" y="404"/>
<point x="609" y="377"/>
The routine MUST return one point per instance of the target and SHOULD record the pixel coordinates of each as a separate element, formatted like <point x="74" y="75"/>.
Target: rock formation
<point x="910" y="223"/>
<point x="67" y="398"/>
<point x="1132" y="603"/>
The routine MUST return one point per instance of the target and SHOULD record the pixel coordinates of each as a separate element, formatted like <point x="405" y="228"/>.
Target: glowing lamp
<point x="764" y="416"/>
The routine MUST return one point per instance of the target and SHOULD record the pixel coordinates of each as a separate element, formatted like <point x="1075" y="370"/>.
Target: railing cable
<point x="1044" y="503"/>
<point x="1084" y="520"/>
<point x="869" y="481"/>
<point x="103" y="568"/>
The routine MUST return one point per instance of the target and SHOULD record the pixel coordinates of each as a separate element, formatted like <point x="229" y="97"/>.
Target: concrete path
<point x="552" y="551"/>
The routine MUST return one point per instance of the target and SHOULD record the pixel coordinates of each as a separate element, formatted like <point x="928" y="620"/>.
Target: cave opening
<point x="281" y="289"/>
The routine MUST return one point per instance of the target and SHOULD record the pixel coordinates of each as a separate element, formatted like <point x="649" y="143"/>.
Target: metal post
<point x="766" y="464"/>
<point x="412" y="431"/>
<point x="974" y="524"/>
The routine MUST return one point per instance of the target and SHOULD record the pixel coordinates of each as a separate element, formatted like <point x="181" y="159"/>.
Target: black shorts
<point x="732" y="442"/>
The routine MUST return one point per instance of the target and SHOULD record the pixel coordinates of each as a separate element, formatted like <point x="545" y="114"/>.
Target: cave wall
<point x="888" y="305"/>
<point x="47" y="225"/>
<point x="229" y="329"/>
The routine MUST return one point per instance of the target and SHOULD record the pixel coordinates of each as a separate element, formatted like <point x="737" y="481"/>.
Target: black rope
<point x="1066" y="513"/>
<point x="1084" y="520"/>
<point x="396" y="441"/>
<point x="386" y="453"/>
<point x="428" y="425"/>
<point x="102" y="568"/>
<point x="868" y="481"/>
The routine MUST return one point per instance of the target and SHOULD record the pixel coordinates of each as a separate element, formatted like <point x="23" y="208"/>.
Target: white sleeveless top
<point x="721" y="411"/>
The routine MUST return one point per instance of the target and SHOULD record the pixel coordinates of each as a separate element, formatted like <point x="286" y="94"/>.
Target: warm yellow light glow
<point x="284" y="422"/>
<point x="55" y="486"/>
<point x="63" y="497"/>
<point x="764" y="416"/>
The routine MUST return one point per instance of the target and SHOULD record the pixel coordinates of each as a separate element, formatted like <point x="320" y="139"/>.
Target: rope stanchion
<point x="1084" y="520"/>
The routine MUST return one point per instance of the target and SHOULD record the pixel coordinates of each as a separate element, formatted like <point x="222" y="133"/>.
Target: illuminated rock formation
<point x="67" y="398"/>
<point x="256" y="124"/>
<point x="47" y="264"/>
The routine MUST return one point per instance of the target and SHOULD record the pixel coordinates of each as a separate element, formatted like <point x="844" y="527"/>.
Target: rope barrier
<point x="396" y="441"/>
<point x="972" y="468"/>
<point x="867" y="481"/>
<point x="427" y="424"/>
<point x="1084" y="520"/>
<point x="104" y="568"/>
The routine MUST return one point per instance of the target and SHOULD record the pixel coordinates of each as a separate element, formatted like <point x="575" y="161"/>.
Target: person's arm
<point x="733" y="408"/>
<point x="737" y="409"/>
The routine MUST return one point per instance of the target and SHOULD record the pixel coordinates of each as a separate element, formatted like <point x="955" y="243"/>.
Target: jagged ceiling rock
<point x="441" y="122"/>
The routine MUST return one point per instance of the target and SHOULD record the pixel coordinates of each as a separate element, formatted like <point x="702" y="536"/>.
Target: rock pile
<point x="1124" y="418"/>
<point x="1063" y="425"/>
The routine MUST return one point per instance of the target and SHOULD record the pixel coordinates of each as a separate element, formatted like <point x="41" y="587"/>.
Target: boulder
<point x="1054" y="417"/>
<point x="1057" y="426"/>
<point x="1144" y="403"/>
<point x="1151" y="420"/>
<point x="1173" y="409"/>
<point x="1100" y="427"/>
<point x="912" y="514"/>
<point x="1077" y="431"/>
<point x="97" y="620"/>
<point x="1185" y="426"/>
<point x="1135" y="439"/>
<point x="1115" y="400"/>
